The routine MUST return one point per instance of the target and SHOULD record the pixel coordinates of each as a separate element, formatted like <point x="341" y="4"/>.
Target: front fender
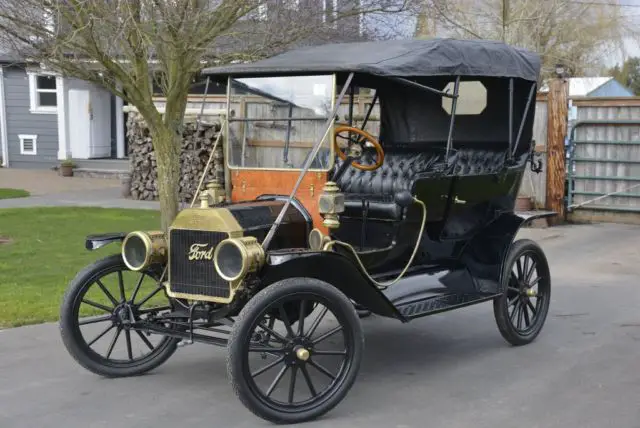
<point x="93" y="242"/>
<point x="332" y="268"/>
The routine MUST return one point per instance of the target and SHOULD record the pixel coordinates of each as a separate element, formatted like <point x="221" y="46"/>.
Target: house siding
<point x="21" y="121"/>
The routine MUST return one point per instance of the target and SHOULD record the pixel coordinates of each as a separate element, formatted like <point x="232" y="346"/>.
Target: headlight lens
<point x="134" y="252"/>
<point x="230" y="260"/>
<point x="140" y="249"/>
<point x="236" y="257"/>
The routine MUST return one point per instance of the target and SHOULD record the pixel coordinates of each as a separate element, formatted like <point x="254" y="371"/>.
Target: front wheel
<point x="290" y="369"/>
<point x="100" y="313"/>
<point x="521" y="310"/>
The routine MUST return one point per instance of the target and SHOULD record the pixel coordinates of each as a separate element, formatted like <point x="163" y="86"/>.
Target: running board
<point x="440" y="303"/>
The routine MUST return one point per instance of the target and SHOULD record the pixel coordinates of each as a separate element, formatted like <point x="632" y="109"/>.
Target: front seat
<point x="379" y="187"/>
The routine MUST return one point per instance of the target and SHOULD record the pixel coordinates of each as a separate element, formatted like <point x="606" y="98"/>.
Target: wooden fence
<point x="266" y="137"/>
<point x="603" y="138"/>
<point x="534" y="185"/>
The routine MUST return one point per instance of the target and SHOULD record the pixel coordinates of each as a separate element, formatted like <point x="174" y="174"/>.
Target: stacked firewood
<point x="197" y="142"/>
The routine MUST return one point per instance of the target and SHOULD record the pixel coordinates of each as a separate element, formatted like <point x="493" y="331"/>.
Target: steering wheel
<point x="355" y="146"/>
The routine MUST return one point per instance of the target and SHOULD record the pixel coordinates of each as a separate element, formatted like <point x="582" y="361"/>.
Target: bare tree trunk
<point x="167" y="150"/>
<point x="88" y="40"/>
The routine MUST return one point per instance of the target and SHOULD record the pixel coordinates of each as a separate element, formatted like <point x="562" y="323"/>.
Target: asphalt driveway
<point x="449" y="370"/>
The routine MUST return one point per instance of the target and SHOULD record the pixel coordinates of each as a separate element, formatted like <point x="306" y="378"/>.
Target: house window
<point x="28" y="144"/>
<point x="43" y="93"/>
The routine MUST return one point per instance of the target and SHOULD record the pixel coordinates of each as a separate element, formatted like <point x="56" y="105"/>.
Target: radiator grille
<point x="195" y="276"/>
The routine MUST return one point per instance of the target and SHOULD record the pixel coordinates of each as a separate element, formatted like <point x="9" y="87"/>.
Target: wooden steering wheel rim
<point x="368" y="137"/>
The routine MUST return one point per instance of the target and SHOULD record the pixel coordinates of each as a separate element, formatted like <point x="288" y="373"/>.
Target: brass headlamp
<point x="234" y="258"/>
<point x="331" y="204"/>
<point x="141" y="249"/>
<point x="317" y="240"/>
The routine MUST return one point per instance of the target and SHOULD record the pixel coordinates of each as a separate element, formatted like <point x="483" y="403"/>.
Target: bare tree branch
<point x="578" y="34"/>
<point x="130" y="46"/>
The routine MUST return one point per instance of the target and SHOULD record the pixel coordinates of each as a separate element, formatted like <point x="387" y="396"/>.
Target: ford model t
<point x="376" y="177"/>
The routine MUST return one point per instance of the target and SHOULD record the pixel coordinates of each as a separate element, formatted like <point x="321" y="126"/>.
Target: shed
<point x="595" y="87"/>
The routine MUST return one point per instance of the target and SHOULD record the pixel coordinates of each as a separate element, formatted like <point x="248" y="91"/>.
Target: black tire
<point x="78" y="347"/>
<point x="242" y="344"/>
<point x="523" y="324"/>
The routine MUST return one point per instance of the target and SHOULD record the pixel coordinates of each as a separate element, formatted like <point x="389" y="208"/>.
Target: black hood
<point x="257" y="217"/>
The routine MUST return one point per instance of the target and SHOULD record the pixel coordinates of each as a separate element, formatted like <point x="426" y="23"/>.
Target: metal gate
<point x="603" y="166"/>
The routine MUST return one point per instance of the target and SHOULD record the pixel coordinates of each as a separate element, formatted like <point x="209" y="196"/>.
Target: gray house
<point x="45" y="118"/>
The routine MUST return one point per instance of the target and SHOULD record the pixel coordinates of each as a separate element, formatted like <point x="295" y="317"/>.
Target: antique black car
<point x="378" y="176"/>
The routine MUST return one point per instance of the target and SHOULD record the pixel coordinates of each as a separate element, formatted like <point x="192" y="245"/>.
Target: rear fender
<point x="93" y="242"/>
<point x="485" y="254"/>
<point x="332" y="268"/>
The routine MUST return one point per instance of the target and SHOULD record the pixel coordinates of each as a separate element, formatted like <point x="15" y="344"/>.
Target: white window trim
<point x="23" y="137"/>
<point x="33" y="93"/>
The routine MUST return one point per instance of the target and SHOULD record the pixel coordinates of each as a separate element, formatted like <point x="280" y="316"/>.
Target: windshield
<point x="274" y="122"/>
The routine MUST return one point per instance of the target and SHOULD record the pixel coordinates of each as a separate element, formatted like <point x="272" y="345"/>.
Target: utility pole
<point x="557" y="109"/>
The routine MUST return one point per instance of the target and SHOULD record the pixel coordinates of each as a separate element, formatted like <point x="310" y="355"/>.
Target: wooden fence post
<point x="557" y="110"/>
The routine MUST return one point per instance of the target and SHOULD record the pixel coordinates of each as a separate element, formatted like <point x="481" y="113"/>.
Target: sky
<point x="632" y="46"/>
<point x="630" y="8"/>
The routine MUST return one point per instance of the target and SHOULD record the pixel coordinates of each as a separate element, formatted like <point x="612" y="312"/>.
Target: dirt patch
<point x="5" y="240"/>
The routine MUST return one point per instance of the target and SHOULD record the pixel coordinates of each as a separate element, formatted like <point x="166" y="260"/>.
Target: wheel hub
<point x="298" y="351"/>
<point x="124" y="314"/>
<point x="302" y="353"/>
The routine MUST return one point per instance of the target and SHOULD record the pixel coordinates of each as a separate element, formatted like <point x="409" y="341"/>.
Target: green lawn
<point x="46" y="250"/>
<point x="13" y="193"/>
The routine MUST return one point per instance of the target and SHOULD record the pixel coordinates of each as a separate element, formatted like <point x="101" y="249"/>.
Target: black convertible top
<point x="397" y="58"/>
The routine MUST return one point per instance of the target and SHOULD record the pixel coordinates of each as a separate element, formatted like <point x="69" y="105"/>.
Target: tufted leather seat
<point x="475" y="162"/>
<point x="380" y="186"/>
<point x="398" y="172"/>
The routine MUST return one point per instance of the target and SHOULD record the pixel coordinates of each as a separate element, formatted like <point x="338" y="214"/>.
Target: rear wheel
<point x="292" y="369"/>
<point x="521" y="310"/>
<point x="98" y="313"/>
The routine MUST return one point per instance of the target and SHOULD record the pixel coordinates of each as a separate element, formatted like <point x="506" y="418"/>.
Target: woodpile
<point x="197" y="142"/>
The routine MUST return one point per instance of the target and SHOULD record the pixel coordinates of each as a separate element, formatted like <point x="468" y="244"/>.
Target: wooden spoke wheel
<point x="290" y="369"/>
<point x="100" y="313"/>
<point x="522" y="309"/>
